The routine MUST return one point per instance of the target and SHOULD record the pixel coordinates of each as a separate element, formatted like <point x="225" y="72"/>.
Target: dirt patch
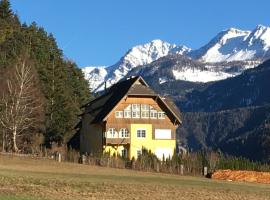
<point x="246" y="176"/>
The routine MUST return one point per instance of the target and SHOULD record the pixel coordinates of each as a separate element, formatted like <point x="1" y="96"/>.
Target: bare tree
<point x="20" y="102"/>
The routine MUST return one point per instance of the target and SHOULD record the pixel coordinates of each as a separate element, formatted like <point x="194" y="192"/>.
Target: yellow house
<point x="129" y="116"/>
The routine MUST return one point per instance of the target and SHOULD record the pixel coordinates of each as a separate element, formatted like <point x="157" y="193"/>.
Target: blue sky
<point x="99" y="32"/>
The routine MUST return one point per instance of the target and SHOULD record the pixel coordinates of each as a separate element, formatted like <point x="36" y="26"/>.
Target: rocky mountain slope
<point x="234" y="44"/>
<point x="136" y="56"/>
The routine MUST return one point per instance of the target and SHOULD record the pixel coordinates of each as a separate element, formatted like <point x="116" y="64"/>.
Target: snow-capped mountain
<point x="136" y="56"/>
<point x="94" y="75"/>
<point x="251" y="47"/>
<point x="234" y="45"/>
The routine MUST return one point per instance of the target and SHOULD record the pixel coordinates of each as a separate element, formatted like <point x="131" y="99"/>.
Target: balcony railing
<point x="117" y="140"/>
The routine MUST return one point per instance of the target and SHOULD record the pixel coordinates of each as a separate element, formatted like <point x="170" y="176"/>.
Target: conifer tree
<point x="5" y="10"/>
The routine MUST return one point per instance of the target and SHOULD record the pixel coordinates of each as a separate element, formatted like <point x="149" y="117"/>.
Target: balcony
<point x="116" y="141"/>
<point x="113" y="137"/>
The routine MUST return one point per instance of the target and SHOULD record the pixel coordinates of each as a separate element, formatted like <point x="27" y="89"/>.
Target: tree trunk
<point x="15" y="148"/>
<point x="3" y="141"/>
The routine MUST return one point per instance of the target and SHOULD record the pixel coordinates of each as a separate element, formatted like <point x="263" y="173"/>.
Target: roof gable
<point x="102" y="106"/>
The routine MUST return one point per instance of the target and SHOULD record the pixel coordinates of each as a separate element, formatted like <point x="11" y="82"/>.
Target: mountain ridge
<point x="228" y="46"/>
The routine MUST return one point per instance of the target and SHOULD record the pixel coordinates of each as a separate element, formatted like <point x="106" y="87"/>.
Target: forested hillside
<point x="41" y="92"/>
<point x="232" y="115"/>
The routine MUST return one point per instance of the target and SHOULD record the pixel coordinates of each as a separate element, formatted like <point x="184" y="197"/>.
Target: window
<point x="127" y="114"/>
<point x="153" y="114"/>
<point x="139" y="153"/>
<point x="119" y="114"/>
<point x="145" y="114"/>
<point x="161" y="115"/>
<point x="123" y="133"/>
<point x="136" y="107"/>
<point x="136" y="114"/>
<point x="144" y="107"/>
<point x="141" y="133"/>
<point x="163" y="134"/>
<point x="124" y="153"/>
<point x="128" y="107"/>
<point x="112" y="133"/>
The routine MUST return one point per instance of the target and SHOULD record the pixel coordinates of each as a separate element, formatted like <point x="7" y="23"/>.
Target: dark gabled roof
<point x="103" y="104"/>
<point x="170" y="104"/>
<point x="139" y="89"/>
<point x="100" y="107"/>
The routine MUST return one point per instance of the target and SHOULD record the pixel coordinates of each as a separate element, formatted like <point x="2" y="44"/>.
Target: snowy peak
<point x="180" y="50"/>
<point x="235" y="45"/>
<point x="94" y="75"/>
<point x="225" y="36"/>
<point x="246" y="47"/>
<point x="136" y="56"/>
<point x="146" y="53"/>
<point x="260" y="36"/>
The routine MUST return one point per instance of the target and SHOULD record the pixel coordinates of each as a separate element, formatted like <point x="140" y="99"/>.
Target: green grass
<point x="27" y="179"/>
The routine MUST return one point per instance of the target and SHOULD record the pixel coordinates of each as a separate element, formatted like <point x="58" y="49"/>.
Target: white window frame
<point x="163" y="115"/>
<point x="127" y="113"/>
<point x="124" y="134"/>
<point x="136" y="107"/>
<point x="137" y="114"/>
<point x="112" y="133"/>
<point x="145" y="107"/>
<point x="140" y="135"/>
<point x="163" y="134"/>
<point x="118" y="114"/>
<point x="155" y="113"/>
<point x="143" y="113"/>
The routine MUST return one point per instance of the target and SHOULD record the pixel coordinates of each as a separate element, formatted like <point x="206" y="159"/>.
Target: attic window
<point x="144" y="107"/>
<point x="153" y="114"/>
<point x="119" y="114"/>
<point x="136" y="114"/>
<point x="135" y="107"/>
<point x="127" y="114"/>
<point x="161" y="115"/>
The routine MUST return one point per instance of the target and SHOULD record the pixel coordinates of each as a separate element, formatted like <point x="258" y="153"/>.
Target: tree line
<point x="41" y="92"/>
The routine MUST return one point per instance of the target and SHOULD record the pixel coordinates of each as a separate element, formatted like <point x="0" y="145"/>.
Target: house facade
<point x="129" y="116"/>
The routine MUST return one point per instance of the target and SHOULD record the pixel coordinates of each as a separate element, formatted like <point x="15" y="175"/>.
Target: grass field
<point x="31" y="179"/>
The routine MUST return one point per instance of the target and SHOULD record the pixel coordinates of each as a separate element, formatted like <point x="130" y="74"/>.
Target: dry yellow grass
<point x="26" y="178"/>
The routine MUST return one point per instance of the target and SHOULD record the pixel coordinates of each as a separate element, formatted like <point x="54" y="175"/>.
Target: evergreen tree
<point x="62" y="84"/>
<point x="5" y="10"/>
